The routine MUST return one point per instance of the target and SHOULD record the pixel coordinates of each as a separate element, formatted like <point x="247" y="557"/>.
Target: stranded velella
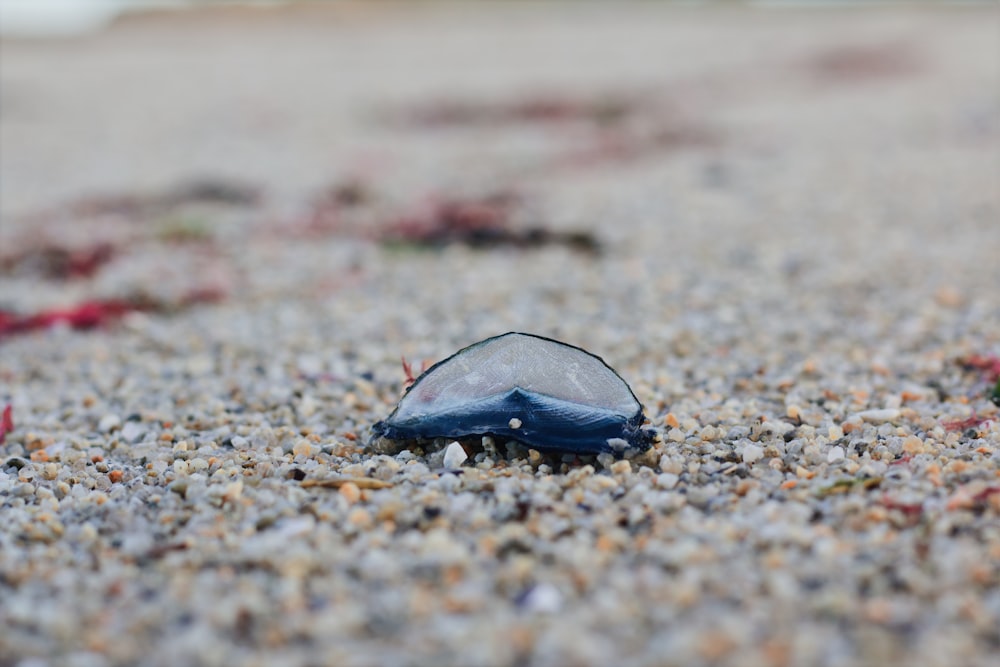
<point x="543" y="393"/>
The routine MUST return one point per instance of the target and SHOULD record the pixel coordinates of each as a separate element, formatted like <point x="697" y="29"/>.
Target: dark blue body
<point x="547" y="424"/>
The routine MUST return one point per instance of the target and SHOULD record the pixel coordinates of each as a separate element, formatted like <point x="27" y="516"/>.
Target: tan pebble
<point x="50" y="471"/>
<point x="981" y="573"/>
<point x="671" y="420"/>
<point x="534" y="457"/>
<point x="773" y="560"/>
<point x="621" y="468"/>
<point x="913" y="445"/>
<point x="776" y="464"/>
<point x="714" y="645"/>
<point x="803" y="473"/>
<point x="350" y="492"/>
<point x="835" y="433"/>
<point x="878" y="610"/>
<point x="793" y="412"/>
<point x="994" y="501"/>
<point x="605" y="544"/>
<point x="359" y="517"/>
<point x="604" y="483"/>
<point x="233" y="491"/>
<point x="303" y="448"/>
<point x="686" y="595"/>
<point x="948" y="297"/>
<point x="521" y="638"/>
<point x="877" y="514"/>
<point x="933" y="473"/>
<point x="957" y="467"/>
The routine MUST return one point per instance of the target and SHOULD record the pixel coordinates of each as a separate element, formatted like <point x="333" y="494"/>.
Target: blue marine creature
<point x="545" y="394"/>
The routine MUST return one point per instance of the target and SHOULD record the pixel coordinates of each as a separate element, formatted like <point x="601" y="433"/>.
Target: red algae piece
<point x="95" y="313"/>
<point x="989" y="365"/>
<point x="961" y="424"/>
<point x="6" y="422"/>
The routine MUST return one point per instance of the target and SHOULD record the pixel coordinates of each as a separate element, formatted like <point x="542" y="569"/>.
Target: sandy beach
<point x="222" y="230"/>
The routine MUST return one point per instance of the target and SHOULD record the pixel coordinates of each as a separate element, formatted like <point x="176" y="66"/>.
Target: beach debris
<point x="989" y="365"/>
<point x="545" y="109"/>
<point x="98" y="312"/>
<point x="6" y="422"/>
<point x="55" y="261"/>
<point x="546" y="394"/>
<point x="482" y="223"/>
<point x="864" y="62"/>
<point x="972" y="421"/>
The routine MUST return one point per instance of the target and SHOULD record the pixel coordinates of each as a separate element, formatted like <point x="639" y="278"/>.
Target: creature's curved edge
<point x="431" y="368"/>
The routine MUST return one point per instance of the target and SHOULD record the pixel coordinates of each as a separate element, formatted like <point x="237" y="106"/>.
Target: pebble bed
<point x="794" y="302"/>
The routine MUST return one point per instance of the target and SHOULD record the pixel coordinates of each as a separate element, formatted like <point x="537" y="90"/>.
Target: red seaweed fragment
<point x="408" y="371"/>
<point x="911" y="510"/>
<point x="619" y="146"/>
<point x="481" y="223"/>
<point x="870" y="62"/>
<point x="6" y="422"/>
<point x="988" y="365"/>
<point x="98" y="312"/>
<point x="972" y="421"/>
<point x="57" y="262"/>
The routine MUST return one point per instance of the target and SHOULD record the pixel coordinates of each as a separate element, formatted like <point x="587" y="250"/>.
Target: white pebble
<point x="835" y="454"/>
<point x="132" y="431"/>
<point x="514" y="423"/>
<point x="544" y="599"/>
<point x="752" y="453"/>
<point x="108" y="422"/>
<point x="878" y="416"/>
<point x="454" y="455"/>
<point x="667" y="480"/>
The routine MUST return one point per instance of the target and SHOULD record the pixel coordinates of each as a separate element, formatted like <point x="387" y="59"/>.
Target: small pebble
<point x="878" y="416"/>
<point x="835" y="454"/>
<point x="543" y="599"/>
<point x="132" y="431"/>
<point x="108" y="423"/>
<point x="752" y="454"/>
<point x="514" y="423"/>
<point x="454" y="455"/>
